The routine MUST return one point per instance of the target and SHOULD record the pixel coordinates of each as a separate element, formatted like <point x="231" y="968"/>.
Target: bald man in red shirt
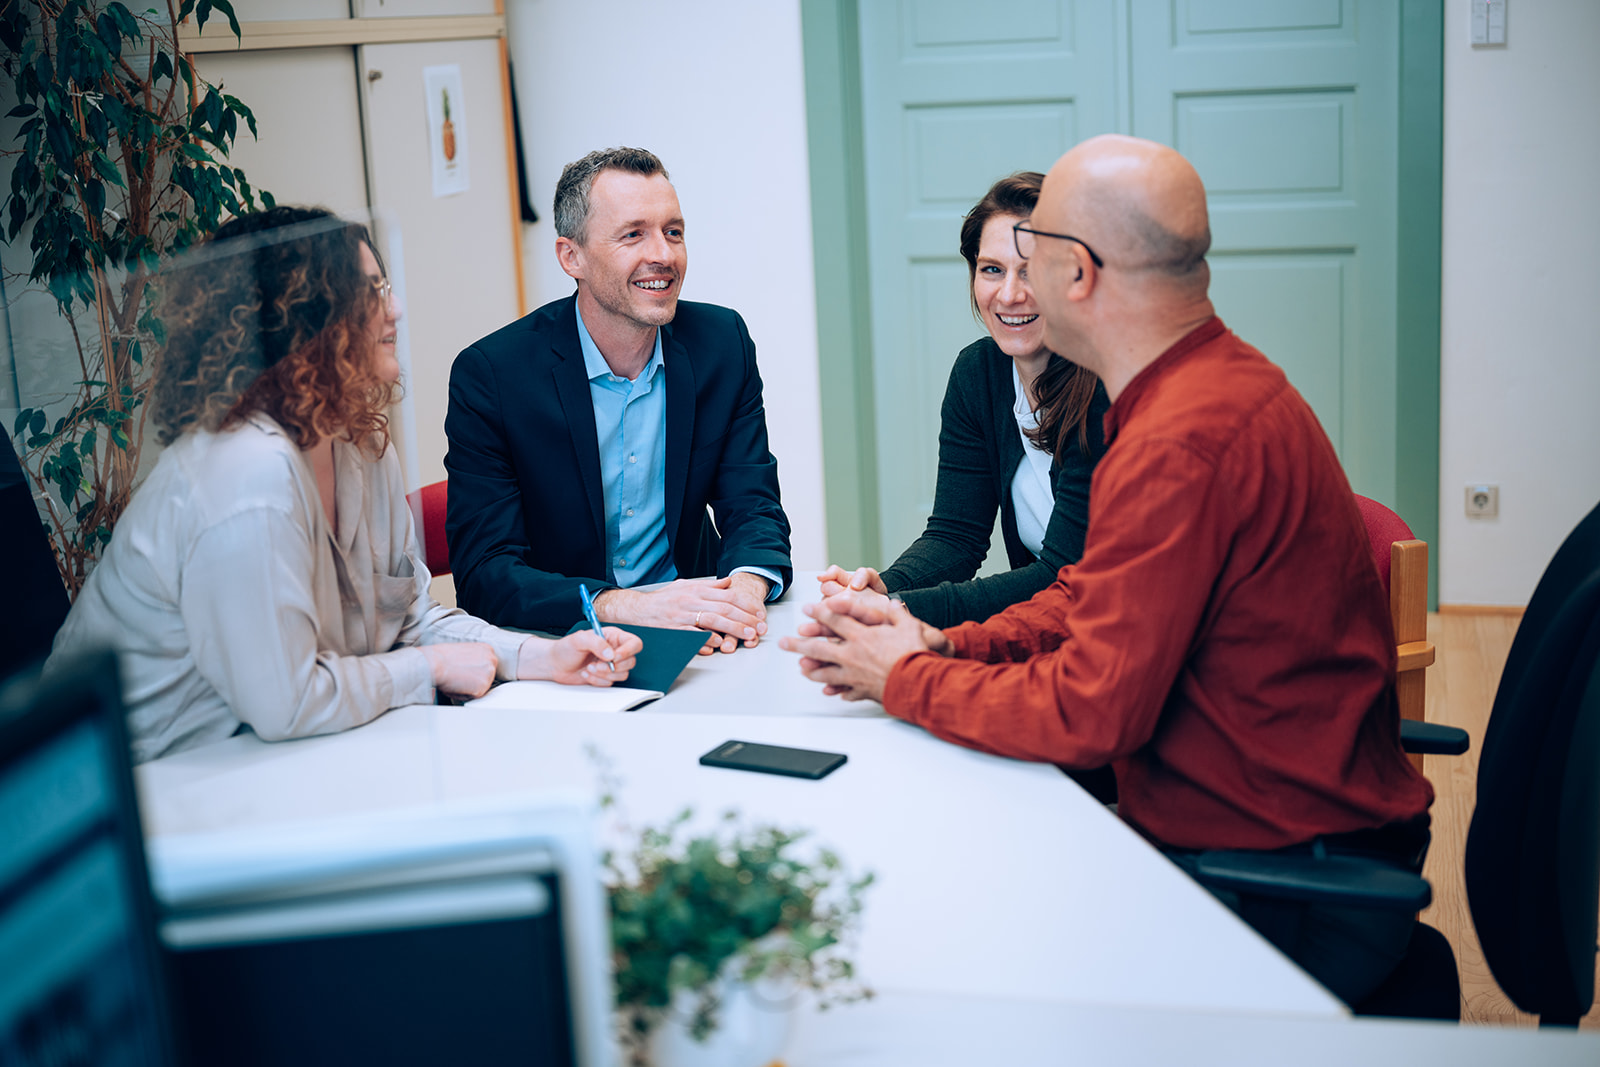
<point x="1224" y="644"/>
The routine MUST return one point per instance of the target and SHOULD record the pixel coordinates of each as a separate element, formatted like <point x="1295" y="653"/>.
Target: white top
<point x="231" y="601"/>
<point x="995" y="878"/>
<point x="1032" y="490"/>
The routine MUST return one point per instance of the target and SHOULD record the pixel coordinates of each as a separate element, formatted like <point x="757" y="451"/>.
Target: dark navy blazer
<point x="526" y="518"/>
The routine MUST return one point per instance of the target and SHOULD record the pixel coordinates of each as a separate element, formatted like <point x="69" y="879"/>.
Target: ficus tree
<point x="120" y="161"/>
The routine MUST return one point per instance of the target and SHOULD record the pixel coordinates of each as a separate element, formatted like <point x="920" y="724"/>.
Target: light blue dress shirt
<point x="630" y="422"/>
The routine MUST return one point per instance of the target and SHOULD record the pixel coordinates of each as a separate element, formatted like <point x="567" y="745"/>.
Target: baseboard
<point x="1482" y="609"/>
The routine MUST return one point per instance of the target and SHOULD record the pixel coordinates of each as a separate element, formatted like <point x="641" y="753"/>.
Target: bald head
<point x="1139" y="204"/>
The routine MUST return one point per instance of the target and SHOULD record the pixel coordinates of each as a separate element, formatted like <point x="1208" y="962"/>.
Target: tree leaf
<point x="110" y="34"/>
<point x="126" y="23"/>
<point x="226" y="7"/>
<point x="21" y="111"/>
<point x="60" y="141"/>
<point x="108" y="170"/>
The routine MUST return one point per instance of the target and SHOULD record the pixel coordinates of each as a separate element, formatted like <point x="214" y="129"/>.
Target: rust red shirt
<point x="1224" y="642"/>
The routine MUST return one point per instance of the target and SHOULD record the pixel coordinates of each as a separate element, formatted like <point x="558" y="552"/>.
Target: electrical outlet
<point x="1483" y="501"/>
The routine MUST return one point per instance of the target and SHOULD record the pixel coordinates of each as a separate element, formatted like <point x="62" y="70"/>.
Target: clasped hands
<point x="732" y="609"/>
<point x="854" y="638"/>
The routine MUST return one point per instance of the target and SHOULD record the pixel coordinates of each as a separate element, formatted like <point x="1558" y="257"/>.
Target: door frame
<point x="830" y="39"/>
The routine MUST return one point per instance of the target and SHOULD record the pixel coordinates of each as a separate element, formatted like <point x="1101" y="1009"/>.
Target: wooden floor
<point x="1461" y="684"/>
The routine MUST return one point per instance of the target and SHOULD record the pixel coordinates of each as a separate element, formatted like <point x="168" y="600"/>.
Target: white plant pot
<point x="752" y="1028"/>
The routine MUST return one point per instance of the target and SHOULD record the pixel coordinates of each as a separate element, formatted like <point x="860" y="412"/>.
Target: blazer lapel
<point x="572" y="387"/>
<point x="680" y="427"/>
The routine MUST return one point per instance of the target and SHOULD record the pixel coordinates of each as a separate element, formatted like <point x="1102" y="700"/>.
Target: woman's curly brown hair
<point x="272" y="314"/>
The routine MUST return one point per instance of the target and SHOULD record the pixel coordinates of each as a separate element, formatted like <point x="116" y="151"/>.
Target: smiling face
<point x="1001" y="291"/>
<point x="382" y="323"/>
<point x="631" y="265"/>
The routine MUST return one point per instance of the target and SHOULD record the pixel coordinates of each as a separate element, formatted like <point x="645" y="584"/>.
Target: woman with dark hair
<point x="1019" y="432"/>
<point x="267" y="574"/>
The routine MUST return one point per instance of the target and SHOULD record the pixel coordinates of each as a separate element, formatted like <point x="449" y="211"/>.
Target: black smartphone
<point x="773" y="759"/>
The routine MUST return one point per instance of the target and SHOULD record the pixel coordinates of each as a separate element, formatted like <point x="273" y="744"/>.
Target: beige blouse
<point x="231" y="601"/>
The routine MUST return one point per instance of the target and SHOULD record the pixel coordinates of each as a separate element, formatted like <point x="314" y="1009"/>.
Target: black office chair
<point x="39" y="599"/>
<point x="1533" y="850"/>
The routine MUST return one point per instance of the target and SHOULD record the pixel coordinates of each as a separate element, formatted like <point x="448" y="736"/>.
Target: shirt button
<point x="622" y="563"/>
<point x="630" y="513"/>
<point x="630" y="459"/>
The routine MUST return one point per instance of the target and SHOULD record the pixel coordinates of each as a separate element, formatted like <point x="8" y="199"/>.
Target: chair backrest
<point x="1384" y="528"/>
<point x="428" y="507"/>
<point x="33" y="581"/>
<point x="1533" y="850"/>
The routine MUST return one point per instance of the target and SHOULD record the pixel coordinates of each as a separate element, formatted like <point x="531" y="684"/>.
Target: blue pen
<point x="594" y="621"/>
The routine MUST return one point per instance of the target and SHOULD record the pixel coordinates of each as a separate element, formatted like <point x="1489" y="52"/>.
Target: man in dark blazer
<point x="587" y="439"/>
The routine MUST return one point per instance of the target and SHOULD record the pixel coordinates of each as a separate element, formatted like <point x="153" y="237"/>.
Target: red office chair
<point x="428" y="506"/>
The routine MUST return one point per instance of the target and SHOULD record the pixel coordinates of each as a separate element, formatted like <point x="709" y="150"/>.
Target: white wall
<point x="1520" y="376"/>
<point x="717" y="90"/>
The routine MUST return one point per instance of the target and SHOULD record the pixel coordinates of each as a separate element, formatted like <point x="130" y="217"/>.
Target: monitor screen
<point x="451" y="934"/>
<point x="80" y="981"/>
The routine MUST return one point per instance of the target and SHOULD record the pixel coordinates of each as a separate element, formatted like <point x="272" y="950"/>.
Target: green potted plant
<point x="119" y="160"/>
<point x="700" y="919"/>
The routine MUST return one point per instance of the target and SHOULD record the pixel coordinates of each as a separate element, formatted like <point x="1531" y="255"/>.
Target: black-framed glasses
<point x="1025" y="244"/>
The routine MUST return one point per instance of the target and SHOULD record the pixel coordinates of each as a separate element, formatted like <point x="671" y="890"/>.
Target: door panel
<point x="954" y="98"/>
<point x="283" y="87"/>
<point x="460" y="260"/>
<point x="1289" y="111"/>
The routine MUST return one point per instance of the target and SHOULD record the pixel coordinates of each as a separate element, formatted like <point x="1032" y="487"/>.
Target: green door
<point x="954" y="97"/>
<point x="1288" y="108"/>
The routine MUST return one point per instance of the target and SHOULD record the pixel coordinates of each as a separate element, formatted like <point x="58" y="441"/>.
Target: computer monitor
<point x="80" y="972"/>
<point x="454" y="934"/>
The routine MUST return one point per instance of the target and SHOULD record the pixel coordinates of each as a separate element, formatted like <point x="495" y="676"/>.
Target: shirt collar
<point x="595" y="365"/>
<point x="1118" y="412"/>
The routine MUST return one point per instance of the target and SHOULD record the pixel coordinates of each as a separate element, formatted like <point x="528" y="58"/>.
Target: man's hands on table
<point x="732" y="609"/>
<point x="854" y="639"/>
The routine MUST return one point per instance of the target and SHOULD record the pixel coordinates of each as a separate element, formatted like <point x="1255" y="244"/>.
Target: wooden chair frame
<point x="1408" y="607"/>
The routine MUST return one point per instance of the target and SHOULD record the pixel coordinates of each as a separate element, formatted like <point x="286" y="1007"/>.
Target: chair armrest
<point x="1431" y="738"/>
<point x="1348" y="880"/>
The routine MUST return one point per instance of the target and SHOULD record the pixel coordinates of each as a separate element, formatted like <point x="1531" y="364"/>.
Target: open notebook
<point x="550" y="696"/>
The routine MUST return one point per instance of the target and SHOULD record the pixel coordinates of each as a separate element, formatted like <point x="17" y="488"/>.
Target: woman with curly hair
<point x="267" y="574"/>
<point x="1019" y="434"/>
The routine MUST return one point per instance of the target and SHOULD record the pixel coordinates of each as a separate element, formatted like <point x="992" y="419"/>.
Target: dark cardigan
<point x="979" y="450"/>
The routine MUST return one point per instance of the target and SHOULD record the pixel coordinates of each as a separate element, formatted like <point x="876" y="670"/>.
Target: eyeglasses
<point x="1025" y="244"/>
<point x="384" y="289"/>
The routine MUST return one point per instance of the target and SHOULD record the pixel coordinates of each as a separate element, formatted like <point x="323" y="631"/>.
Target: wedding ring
<point x="697" y="619"/>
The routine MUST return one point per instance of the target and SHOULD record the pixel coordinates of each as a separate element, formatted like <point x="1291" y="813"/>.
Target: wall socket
<point x="1483" y="501"/>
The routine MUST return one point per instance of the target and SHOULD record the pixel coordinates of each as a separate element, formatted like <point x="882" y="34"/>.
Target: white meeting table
<point x="995" y="878"/>
<point x="1014" y="920"/>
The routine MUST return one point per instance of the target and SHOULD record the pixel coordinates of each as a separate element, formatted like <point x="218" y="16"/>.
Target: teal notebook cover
<point x="664" y="656"/>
